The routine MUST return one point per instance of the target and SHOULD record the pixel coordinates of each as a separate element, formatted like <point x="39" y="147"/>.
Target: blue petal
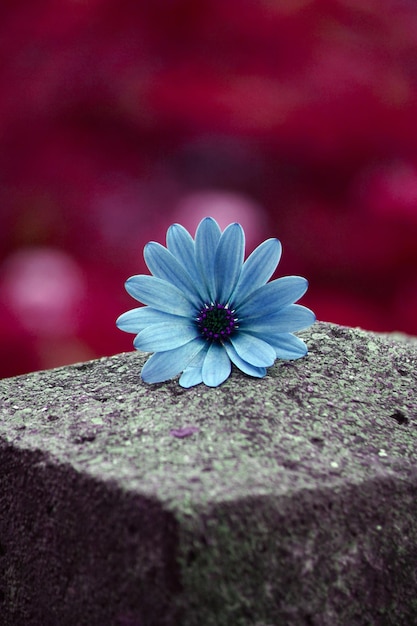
<point x="291" y="318"/>
<point x="129" y="321"/>
<point x="207" y="238"/>
<point x="257" y="269"/>
<point x="228" y="261"/>
<point x="244" y="366"/>
<point x="273" y="296"/>
<point x="216" y="366"/>
<point x="163" y="264"/>
<point x="137" y="319"/>
<point x="190" y="377"/>
<point x="193" y="373"/>
<point x="160" y="295"/>
<point x="165" y="336"/>
<point x="253" y="350"/>
<point x="287" y="345"/>
<point x="162" y="366"/>
<point x="181" y="244"/>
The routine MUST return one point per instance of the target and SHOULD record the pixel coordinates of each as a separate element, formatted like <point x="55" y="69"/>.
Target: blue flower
<point x="206" y="308"/>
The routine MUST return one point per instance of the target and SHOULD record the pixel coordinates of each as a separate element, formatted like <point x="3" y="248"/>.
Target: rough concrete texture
<point x="289" y="500"/>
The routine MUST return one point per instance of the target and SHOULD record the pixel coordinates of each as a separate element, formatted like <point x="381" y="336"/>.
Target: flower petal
<point x="257" y="269"/>
<point x="273" y="296"/>
<point x="193" y="373"/>
<point x="162" y="366"/>
<point x="163" y="264"/>
<point x="159" y="294"/>
<point x="129" y="321"/>
<point x="287" y="345"/>
<point x="165" y="336"/>
<point x="244" y="366"/>
<point x="253" y="350"/>
<point x="190" y="377"/>
<point x="291" y="318"/>
<point x="207" y="238"/>
<point x="136" y="320"/>
<point x="181" y="245"/>
<point x="216" y="366"/>
<point x="228" y="261"/>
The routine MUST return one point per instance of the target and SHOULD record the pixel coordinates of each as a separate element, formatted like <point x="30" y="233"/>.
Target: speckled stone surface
<point x="290" y="500"/>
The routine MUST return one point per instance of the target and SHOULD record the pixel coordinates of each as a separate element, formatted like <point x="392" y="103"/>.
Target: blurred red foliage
<point x="117" y="118"/>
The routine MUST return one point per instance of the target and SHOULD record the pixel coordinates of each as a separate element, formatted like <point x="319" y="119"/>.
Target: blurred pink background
<point x="297" y="118"/>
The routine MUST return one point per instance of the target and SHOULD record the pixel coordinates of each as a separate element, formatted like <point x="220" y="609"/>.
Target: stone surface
<point x="289" y="500"/>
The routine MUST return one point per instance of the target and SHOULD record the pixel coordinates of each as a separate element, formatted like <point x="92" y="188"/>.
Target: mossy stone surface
<point x="287" y="500"/>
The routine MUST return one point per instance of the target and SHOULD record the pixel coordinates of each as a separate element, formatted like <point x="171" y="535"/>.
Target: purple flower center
<point x="216" y="322"/>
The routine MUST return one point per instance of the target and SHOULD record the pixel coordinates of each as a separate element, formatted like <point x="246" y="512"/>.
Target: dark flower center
<point x="216" y="322"/>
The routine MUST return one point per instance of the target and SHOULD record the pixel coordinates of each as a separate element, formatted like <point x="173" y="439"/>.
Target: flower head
<point x="206" y="308"/>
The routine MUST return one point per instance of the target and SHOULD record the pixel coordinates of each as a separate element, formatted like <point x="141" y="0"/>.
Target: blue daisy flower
<point x="206" y="308"/>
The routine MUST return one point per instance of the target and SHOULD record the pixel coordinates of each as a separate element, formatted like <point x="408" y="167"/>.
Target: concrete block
<point x="288" y="500"/>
